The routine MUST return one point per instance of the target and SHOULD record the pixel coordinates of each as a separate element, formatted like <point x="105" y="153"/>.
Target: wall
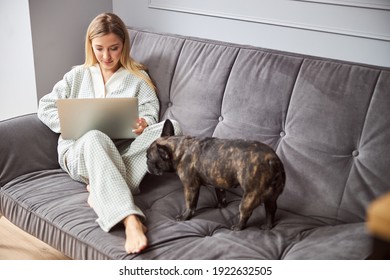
<point x="58" y="32"/>
<point x="42" y="40"/>
<point x="353" y="30"/>
<point x="17" y="76"/>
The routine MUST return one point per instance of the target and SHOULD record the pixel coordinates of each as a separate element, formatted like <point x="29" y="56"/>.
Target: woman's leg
<point x="95" y="160"/>
<point x="135" y="157"/>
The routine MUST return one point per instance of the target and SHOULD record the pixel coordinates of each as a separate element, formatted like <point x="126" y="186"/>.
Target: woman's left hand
<point x="140" y="126"/>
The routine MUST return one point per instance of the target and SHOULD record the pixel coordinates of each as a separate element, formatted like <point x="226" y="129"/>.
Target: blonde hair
<point x="107" y="23"/>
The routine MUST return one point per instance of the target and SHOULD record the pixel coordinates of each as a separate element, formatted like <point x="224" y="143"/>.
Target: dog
<point x="221" y="163"/>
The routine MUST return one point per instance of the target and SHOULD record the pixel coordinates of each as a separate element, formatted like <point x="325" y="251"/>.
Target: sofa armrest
<point x="26" y="145"/>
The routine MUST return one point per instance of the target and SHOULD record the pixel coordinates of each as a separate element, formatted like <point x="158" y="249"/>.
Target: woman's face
<point x="108" y="51"/>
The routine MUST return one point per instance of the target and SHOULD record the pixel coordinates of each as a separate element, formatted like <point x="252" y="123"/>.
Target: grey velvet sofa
<point x="329" y="121"/>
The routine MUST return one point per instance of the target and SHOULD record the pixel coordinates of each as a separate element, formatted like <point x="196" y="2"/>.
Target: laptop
<point x="115" y="117"/>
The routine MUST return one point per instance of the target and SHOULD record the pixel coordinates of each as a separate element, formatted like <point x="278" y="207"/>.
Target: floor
<point x="16" y="244"/>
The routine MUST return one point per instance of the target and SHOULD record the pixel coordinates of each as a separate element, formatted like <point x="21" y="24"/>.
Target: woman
<point x="112" y="172"/>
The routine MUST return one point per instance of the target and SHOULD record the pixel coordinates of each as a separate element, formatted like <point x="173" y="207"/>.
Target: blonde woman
<point x="111" y="172"/>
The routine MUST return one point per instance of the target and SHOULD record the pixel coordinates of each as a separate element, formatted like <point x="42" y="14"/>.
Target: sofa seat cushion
<point x="53" y="207"/>
<point x="338" y="242"/>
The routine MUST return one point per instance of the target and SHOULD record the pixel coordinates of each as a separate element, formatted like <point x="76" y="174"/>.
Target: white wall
<point x="41" y="41"/>
<point x="58" y="32"/>
<point x="353" y="30"/>
<point x="17" y="77"/>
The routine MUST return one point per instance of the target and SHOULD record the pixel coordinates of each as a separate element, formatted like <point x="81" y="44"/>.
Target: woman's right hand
<point x="140" y="126"/>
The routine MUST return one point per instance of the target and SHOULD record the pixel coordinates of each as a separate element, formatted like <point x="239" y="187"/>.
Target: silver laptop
<point x="115" y="117"/>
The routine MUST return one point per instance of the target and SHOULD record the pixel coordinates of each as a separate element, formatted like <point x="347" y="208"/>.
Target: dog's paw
<point x="186" y="215"/>
<point x="236" y="227"/>
<point x="222" y="204"/>
<point x="179" y="218"/>
<point x="266" y="227"/>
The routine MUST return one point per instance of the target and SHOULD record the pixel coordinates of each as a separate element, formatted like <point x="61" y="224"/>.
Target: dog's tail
<point x="279" y="178"/>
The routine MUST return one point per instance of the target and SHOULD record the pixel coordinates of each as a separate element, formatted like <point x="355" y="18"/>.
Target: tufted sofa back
<point x="329" y="121"/>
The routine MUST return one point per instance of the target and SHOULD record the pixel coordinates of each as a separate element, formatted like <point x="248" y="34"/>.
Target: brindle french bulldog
<point x="221" y="163"/>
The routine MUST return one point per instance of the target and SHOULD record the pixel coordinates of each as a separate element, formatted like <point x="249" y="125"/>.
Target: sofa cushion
<point x="198" y="86"/>
<point x="26" y="145"/>
<point x="257" y="96"/>
<point x="326" y="161"/>
<point x="160" y="56"/>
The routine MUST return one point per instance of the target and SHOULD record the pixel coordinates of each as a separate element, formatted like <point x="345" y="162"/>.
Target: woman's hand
<point x="140" y="126"/>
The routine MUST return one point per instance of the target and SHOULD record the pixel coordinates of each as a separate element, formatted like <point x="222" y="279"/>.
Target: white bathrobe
<point x="113" y="175"/>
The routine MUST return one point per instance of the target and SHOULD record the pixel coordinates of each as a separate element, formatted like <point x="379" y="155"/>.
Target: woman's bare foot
<point x="135" y="235"/>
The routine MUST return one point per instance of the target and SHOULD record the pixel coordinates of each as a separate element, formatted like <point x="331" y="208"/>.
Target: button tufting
<point x="220" y="118"/>
<point x="169" y="104"/>
<point x="282" y="134"/>
<point x="355" y="153"/>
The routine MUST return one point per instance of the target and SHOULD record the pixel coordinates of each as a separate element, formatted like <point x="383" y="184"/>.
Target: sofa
<point x="328" y="121"/>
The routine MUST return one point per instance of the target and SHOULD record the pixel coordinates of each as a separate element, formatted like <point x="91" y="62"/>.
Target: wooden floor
<point x="16" y="244"/>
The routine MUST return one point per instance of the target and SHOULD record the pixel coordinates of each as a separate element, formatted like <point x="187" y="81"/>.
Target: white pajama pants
<point x="113" y="175"/>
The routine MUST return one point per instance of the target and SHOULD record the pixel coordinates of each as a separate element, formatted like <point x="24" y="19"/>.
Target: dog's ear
<point x="168" y="129"/>
<point x="163" y="151"/>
